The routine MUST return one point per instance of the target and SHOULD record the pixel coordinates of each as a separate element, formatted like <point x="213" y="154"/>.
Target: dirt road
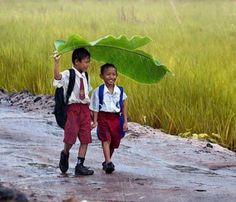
<point x="150" y="165"/>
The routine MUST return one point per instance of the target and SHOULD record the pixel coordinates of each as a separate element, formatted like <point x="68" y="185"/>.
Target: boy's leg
<point x="111" y="150"/>
<point x="106" y="150"/>
<point x="67" y="148"/>
<point x="114" y="131"/>
<point x="107" y="165"/>
<point x="82" y="153"/>
<point x="80" y="169"/>
<point x="82" y="150"/>
<point x="85" y="138"/>
<point x="104" y="134"/>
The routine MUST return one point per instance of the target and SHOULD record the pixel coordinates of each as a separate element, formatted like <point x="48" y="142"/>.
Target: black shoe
<point x="108" y="167"/>
<point x="82" y="170"/>
<point x="64" y="164"/>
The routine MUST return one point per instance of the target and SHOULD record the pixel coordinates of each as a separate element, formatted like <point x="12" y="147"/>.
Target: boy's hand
<point x="94" y="125"/>
<point x="56" y="56"/>
<point x="125" y="126"/>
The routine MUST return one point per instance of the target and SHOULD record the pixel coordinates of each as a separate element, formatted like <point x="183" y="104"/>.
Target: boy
<point x="78" y="123"/>
<point x="106" y="115"/>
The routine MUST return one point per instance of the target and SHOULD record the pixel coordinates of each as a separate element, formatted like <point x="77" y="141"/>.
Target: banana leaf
<point x="121" y="52"/>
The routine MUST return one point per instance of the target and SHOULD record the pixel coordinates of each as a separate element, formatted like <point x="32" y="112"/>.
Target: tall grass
<point x="195" y="39"/>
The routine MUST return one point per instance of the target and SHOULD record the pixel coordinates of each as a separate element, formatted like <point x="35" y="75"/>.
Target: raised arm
<point x="57" y="74"/>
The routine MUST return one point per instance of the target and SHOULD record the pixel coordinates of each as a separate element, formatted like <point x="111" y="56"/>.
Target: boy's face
<point x="109" y="76"/>
<point x="82" y="65"/>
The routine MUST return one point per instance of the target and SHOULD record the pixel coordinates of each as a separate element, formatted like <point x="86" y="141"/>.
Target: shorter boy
<point x="106" y="114"/>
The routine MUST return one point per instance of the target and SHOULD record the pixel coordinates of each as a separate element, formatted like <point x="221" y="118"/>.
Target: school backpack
<point x="100" y="96"/>
<point x="60" y="103"/>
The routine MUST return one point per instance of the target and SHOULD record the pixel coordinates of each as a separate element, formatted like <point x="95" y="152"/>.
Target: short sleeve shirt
<point x="110" y="101"/>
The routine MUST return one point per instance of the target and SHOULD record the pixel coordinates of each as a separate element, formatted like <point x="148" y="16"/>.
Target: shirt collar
<point x="78" y="73"/>
<point x="116" y="89"/>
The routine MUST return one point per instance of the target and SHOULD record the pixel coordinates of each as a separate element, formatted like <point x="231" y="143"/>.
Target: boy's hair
<point x="80" y="54"/>
<point x="106" y="66"/>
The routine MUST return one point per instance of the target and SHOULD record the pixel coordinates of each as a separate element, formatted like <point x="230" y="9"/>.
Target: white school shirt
<point x="74" y="98"/>
<point x="110" y="101"/>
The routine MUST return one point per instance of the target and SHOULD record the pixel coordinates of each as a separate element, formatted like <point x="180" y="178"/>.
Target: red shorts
<point x="109" y="128"/>
<point x="78" y="124"/>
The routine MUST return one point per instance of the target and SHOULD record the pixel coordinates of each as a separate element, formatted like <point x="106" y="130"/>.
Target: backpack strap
<point x="86" y="74"/>
<point x="87" y="78"/>
<point x="122" y="132"/>
<point x="100" y="95"/>
<point x="71" y="84"/>
<point x="121" y="97"/>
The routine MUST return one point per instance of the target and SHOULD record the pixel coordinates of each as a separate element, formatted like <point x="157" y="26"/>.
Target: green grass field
<point x="195" y="39"/>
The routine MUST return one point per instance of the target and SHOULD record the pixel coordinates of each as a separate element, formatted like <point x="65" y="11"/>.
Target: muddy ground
<point x="150" y="165"/>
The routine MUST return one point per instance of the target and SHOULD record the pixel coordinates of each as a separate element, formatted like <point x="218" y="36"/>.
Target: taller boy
<point x="78" y="122"/>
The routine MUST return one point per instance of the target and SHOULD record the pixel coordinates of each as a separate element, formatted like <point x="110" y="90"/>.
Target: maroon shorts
<point x="78" y="124"/>
<point x="109" y="128"/>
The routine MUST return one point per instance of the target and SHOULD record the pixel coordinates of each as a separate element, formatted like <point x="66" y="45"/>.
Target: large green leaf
<point x="122" y="52"/>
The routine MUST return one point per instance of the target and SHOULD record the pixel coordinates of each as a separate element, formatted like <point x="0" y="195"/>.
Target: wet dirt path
<point x="150" y="165"/>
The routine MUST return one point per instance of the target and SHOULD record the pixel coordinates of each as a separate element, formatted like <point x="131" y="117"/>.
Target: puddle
<point x="42" y="165"/>
<point x="189" y="169"/>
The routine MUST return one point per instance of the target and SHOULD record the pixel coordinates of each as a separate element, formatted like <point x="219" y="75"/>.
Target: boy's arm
<point x="95" y="119"/>
<point x="57" y="74"/>
<point x="124" y="111"/>
<point x="94" y="107"/>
